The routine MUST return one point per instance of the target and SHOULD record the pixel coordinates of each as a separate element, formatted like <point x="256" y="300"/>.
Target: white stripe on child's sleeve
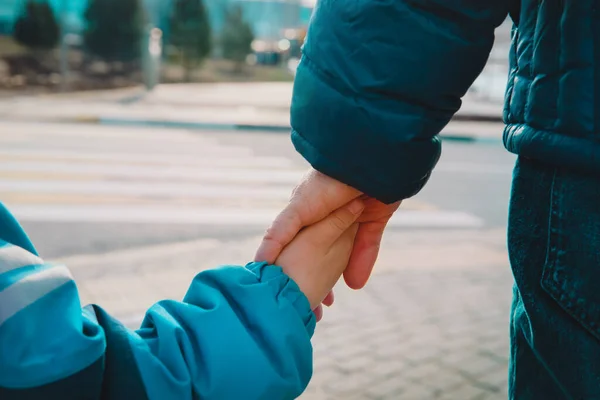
<point x="13" y="257"/>
<point x="30" y="289"/>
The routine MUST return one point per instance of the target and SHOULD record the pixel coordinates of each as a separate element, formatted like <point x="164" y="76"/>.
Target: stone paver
<point x="431" y="324"/>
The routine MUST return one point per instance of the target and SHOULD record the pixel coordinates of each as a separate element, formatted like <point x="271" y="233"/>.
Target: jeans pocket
<point x="571" y="273"/>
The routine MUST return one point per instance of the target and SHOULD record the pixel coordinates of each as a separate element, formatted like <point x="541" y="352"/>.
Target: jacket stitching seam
<point x="527" y="105"/>
<point x="515" y="73"/>
<point x="595" y="63"/>
<point x="558" y="68"/>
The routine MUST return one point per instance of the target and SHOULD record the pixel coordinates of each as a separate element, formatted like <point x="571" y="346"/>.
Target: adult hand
<point x="316" y="197"/>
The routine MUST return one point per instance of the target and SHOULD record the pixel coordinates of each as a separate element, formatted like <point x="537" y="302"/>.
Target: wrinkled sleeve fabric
<point x="379" y="79"/>
<point x="239" y="333"/>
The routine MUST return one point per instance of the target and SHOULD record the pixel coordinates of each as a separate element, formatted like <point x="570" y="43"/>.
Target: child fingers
<point x="330" y="229"/>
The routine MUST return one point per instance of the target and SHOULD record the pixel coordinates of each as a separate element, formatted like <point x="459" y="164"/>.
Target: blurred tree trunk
<point x="188" y="68"/>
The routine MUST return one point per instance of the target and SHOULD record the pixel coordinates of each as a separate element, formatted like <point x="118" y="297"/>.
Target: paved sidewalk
<point x="432" y="323"/>
<point x="263" y="106"/>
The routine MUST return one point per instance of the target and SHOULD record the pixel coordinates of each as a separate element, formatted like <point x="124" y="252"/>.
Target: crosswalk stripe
<point x="215" y="216"/>
<point x="91" y="147"/>
<point x="474" y="168"/>
<point x="167" y="189"/>
<point x="44" y="131"/>
<point x="207" y="159"/>
<point x="174" y="172"/>
<point x="59" y="173"/>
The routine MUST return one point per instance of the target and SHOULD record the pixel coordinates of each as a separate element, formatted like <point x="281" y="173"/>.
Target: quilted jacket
<point x="379" y="79"/>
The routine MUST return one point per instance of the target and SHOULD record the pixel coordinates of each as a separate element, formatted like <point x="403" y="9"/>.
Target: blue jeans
<point x="554" y="248"/>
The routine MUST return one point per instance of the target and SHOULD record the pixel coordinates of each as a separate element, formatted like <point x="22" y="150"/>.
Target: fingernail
<point x="356" y="206"/>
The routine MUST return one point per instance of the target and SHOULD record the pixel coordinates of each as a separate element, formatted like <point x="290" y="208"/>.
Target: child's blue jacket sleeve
<point x="239" y="333"/>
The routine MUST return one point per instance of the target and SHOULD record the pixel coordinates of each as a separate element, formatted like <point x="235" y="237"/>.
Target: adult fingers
<point x="314" y="198"/>
<point x="364" y="254"/>
<point x="318" y="312"/>
<point x="329" y="300"/>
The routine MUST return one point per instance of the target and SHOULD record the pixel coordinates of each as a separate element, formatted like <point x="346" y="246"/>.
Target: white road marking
<point x="172" y="172"/>
<point x="208" y="158"/>
<point x="474" y="168"/>
<point x="136" y="188"/>
<point x="215" y="216"/>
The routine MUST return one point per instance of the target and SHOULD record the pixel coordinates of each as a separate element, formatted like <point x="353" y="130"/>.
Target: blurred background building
<point x="268" y="18"/>
<point x="267" y="33"/>
<point x="278" y="26"/>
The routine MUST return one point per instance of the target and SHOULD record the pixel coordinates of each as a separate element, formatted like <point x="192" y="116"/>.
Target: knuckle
<point x="286" y="224"/>
<point x="270" y="233"/>
<point x="338" y="221"/>
<point x="297" y="192"/>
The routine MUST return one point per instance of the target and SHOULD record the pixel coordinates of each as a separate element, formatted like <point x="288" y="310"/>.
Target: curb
<point x="478" y="118"/>
<point x="83" y="119"/>
<point x="264" y="128"/>
<point x="193" y="125"/>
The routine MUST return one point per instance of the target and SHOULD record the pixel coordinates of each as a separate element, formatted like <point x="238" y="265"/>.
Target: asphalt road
<point x="81" y="189"/>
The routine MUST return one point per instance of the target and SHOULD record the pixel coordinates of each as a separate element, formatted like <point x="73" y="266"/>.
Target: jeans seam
<point x="550" y="264"/>
<point x="513" y="349"/>
<point x="554" y="285"/>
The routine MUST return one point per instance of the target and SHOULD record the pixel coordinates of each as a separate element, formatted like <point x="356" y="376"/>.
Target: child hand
<point x="319" y="254"/>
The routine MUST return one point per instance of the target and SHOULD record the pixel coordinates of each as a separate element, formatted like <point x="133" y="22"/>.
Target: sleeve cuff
<point x="285" y="289"/>
<point x="353" y="177"/>
<point x="384" y="147"/>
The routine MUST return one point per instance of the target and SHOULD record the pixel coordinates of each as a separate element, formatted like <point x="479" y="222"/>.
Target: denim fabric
<point x="554" y="247"/>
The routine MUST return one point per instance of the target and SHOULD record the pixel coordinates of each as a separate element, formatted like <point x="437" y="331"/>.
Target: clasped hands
<point x="328" y="229"/>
